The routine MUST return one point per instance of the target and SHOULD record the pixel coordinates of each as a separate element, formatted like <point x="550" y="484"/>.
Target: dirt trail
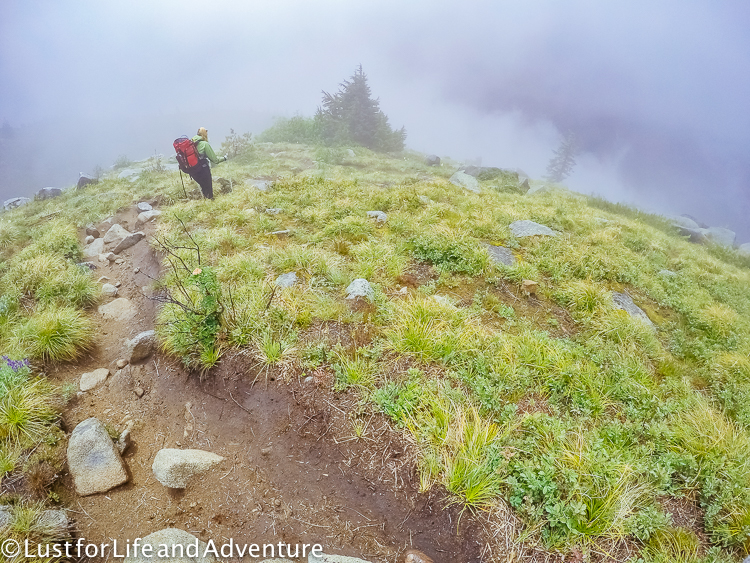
<point x="294" y="471"/>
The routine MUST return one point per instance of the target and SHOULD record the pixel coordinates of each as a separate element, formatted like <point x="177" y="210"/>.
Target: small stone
<point x="89" y="239"/>
<point x="94" y="249"/>
<point x="309" y="379"/>
<point x="378" y="216"/>
<point x="93" y="231"/>
<point x="274" y="210"/>
<point x="143" y="206"/>
<point x="109" y="290"/>
<point x="93" y="460"/>
<point x="360" y="288"/>
<point x="123" y="442"/>
<point x="101" y="279"/>
<point x="465" y="181"/>
<point x="93" y="379"/>
<point x="414" y="556"/>
<point x="119" y="309"/>
<point x="175" y="468"/>
<point x="128" y="241"/>
<point x="286" y="280"/>
<point x="120" y="261"/>
<point x="624" y="302"/>
<point x="527" y="228"/>
<point x="136" y="270"/>
<point x="147" y="216"/>
<point x="121" y="363"/>
<point x="529" y="287"/>
<point x="139" y="392"/>
<point x="118" y="284"/>
<point x="501" y="255"/>
<point x="277" y="502"/>
<point x="266" y="450"/>
<point x="141" y="346"/>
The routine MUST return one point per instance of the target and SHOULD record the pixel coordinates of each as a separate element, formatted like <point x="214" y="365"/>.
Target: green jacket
<point x="205" y="150"/>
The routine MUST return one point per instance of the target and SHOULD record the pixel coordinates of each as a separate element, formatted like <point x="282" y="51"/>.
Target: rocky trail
<point x="280" y="458"/>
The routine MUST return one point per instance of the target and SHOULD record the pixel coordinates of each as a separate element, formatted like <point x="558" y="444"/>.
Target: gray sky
<point x="656" y="92"/>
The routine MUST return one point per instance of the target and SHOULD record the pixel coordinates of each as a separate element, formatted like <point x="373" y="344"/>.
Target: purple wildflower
<point x="15" y="365"/>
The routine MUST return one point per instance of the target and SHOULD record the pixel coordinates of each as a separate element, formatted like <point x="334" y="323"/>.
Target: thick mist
<point x="656" y="93"/>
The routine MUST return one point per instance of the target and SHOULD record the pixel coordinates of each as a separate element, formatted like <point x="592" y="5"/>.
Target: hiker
<point x="201" y="172"/>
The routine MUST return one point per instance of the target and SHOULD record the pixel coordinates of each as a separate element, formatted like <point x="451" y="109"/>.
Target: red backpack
<point x="187" y="155"/>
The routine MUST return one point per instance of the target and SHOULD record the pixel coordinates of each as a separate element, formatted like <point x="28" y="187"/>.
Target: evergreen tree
<point x="351" y="115"/>
<point x="561" y="164"/>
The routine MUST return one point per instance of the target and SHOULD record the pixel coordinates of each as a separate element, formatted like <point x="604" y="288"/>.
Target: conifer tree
<point x="351" y="115"/>
<point x="561" y="164"/>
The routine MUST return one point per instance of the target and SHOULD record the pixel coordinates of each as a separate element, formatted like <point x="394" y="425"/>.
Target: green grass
<point x="566" y="409"/>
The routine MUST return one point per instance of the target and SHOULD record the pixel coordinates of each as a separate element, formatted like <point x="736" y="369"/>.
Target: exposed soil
<point x="303" y="465"/>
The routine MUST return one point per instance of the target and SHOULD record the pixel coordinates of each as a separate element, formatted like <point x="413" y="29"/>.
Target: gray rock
<point x="93" y="379"/>
<point x="5" y="515"/>
<point x="48" y="193"/>
<point x="527" y="228"/>
<point x="378" y="216"/>
<point x="85" y="180"/>
<point x="432" y="160"/>
<point x="147" y="216"/>
<point x="697" y="236"/>
<point x="124" y="441"/>
<point x="89" y="239"/>
<point x="109" y="290"/>
<point x="128" y="241"/>
<point x="192" y="550"/>
<point x="286" y="280"/>
<point x="465" y="181"/>
<point x="143" y="206"/>
<point x="94" y="462"/>
<point x="93" y="231"/>
<point x="624" y="302"/>
<point x="140" y="347"/>
<point x="681" y="221"/>
<point x="262" y="185"/>
<point x="174" y="468"/>
<point x="334" y="559"/>
<point x="115" y="234"/>
<point x="120" y="310"/>
<point x="720" y="235"/>
<point x="274" y="210"/>
<point x="15" y="202"/>
<point x="55" y="522"/>
<point x="350" y="152"/>
<point x="501" y="255"/>
<point x="701" y="224"/>
<point x="744" y="249"/>
<point x="360" y="288"/>
<point x="524" y="186"/>
<point x="130" y="174"/>
<point x="94" y="249"/>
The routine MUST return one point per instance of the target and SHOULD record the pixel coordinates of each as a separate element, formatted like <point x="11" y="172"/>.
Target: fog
<point x="656" y="93"/>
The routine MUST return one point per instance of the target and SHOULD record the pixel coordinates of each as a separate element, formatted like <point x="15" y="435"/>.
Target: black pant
<point x="201" y="173"/>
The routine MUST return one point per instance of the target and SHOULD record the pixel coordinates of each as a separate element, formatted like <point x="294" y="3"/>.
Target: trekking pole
<point x="183" y="185"/>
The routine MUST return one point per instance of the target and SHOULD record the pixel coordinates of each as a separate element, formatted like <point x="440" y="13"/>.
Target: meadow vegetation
<point x="583" y="420"/>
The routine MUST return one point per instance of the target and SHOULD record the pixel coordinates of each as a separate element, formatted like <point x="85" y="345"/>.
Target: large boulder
<point x="696" y="235"/>
<point x="141" y="346"/>
<point x="527" y="228"/>
<point x="85" y="180"/>
<point x="15" y="202"/>
<point x="432" y="160"/>
<point x="94" y="249"/>
<point x="130" y="240"/>
<point x="120" y="310"/>
<point x="93" y="459"/>
<point x="48" y="193"/>
<point x="360" y="288"/>
<point x="92" y="380"/>
<point x="116" y="234"/>
<point x="466" y="181"/>
<point x="682" y="221"/>
<point x="720" y="235"/>
<point x="174" y="468"/>
<point x="180" y="546"/>
<point x="624" y="302"/>
<point x="378" y="216"/>
<point x="744" y="249"/>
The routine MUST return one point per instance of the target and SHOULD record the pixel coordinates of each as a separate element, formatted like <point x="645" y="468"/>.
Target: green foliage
<point x="295" y="129"/>
<point x="352" y="116"/>
<point x="236" y="145"/>
<point x="58" y="334"/>
<point x="450" y="251"/>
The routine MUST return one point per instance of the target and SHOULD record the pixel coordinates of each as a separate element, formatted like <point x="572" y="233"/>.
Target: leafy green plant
<point x="450" y="251"/>
<point x="58" y="334"/>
